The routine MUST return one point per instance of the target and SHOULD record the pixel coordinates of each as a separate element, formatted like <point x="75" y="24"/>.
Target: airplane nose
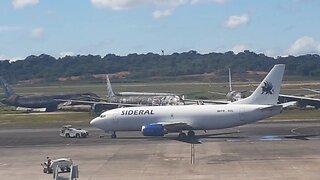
<point x="92" y="122"/>
<point x="96" y="122"/>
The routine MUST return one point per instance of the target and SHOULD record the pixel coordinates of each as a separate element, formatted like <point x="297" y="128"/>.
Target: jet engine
<point x="153" y="130"/>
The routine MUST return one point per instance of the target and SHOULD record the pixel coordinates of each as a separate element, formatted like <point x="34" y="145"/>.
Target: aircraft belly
<point x="215" y="122"/>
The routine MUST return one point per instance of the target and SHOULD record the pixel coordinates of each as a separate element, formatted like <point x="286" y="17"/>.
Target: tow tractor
<point x="64" y="165"/>
<point x="68" y="131"/>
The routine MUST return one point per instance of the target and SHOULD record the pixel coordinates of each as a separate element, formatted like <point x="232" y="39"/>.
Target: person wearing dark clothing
<point x="48" y="162"/>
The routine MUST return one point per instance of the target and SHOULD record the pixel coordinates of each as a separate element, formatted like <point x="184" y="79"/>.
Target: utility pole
<point x="193" y="154"/>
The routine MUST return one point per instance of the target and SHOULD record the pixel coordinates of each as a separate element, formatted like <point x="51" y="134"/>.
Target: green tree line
<point x="154" y="65"/>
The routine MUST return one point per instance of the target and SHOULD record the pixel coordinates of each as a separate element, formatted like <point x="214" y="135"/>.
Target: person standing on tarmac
<point x="48" y="162"/>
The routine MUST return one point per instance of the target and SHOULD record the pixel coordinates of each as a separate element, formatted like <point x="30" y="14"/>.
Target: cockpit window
<point x="103" y="116"/>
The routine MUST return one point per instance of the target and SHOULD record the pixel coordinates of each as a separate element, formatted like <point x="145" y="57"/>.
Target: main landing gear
<point x="183" y="135"/>
<point x="113" y="135"/>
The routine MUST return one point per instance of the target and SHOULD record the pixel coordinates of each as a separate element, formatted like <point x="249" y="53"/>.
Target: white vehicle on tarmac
<point x="68" y="131"/>
<point x="64" y="165"/>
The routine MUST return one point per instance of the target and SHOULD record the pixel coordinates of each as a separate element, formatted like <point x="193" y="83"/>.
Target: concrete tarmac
<point x="279" y="150"/>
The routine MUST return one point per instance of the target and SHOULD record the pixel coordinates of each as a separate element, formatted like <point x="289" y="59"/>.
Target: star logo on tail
<point x="267" y="88"/>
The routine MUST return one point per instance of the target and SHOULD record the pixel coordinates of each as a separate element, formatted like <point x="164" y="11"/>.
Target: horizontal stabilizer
<point x="271" y="108"/>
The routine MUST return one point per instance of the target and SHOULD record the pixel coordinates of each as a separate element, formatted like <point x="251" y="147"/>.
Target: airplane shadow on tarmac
<point x="224" y="136"/>
<point x="190" y="140"/>
<point x="197" y="138"/>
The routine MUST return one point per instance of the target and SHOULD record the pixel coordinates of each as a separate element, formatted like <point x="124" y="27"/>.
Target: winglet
<point x="109" y="87"/>
<point x="267" y="92"/>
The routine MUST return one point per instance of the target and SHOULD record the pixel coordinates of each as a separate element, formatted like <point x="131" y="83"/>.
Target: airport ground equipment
<point x="73" y="174"/>
<point x="68" y="131"/>
<point x="63" y="164"/>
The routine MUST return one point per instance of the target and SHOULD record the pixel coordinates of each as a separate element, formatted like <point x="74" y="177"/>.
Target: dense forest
<point x="153" y="65"/>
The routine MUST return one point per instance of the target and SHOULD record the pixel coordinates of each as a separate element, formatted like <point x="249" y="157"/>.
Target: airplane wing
<point x="270" y="108"/>
<point x="312" y="90"/>
<point x="216" y="101"/>
<point x="219" y="93"/>
<point x="203" y="101"/>
<point x="69" y="101"/>
<point x="301" y="101"/>
<point x="98" y="102"/>
<point x="287" y="104"/>
<point x="175" y="126"/>
<point x="145" y="94"/>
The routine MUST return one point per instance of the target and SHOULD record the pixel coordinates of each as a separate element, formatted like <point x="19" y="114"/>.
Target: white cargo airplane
<point x="160" y="120"/>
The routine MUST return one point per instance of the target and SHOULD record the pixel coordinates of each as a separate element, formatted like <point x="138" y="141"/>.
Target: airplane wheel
<point x="191" y="133"/>
<point x="182" y="135"/>
<point x="67" y="135"/>
<point x="113" y="135"/>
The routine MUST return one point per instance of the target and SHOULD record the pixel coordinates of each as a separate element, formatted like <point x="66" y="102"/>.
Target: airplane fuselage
<point x="199" y="117"/>
<point x="147" y="100"/>
<point x="159" y="120"/>
<point x="42" y="101"/>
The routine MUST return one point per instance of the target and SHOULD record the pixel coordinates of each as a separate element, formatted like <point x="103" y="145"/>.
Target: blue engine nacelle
<point x="153" y="130"/>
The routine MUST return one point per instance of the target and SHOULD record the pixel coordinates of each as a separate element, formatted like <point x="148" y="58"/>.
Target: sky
<point x="121" y="27"/>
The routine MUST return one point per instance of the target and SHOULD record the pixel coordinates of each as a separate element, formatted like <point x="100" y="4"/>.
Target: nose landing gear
<point x="113" y="134"/>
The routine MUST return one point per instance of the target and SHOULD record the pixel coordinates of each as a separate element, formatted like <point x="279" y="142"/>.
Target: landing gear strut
<point x="191" y="133"/>
<point x="182" y="135"/>
<point x="113" y="135"/>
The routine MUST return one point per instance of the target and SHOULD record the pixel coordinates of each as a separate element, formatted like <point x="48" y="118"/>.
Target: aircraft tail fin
<point x="6" y="87"/>
<point x="230" y="83"/>
<point x="110" y="92"/>
<point x="267" y="92"/>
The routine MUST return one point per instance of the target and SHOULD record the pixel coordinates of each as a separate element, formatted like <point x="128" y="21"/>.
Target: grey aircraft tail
<point x="6" y="87"/>
<point x="110" y="92"/>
